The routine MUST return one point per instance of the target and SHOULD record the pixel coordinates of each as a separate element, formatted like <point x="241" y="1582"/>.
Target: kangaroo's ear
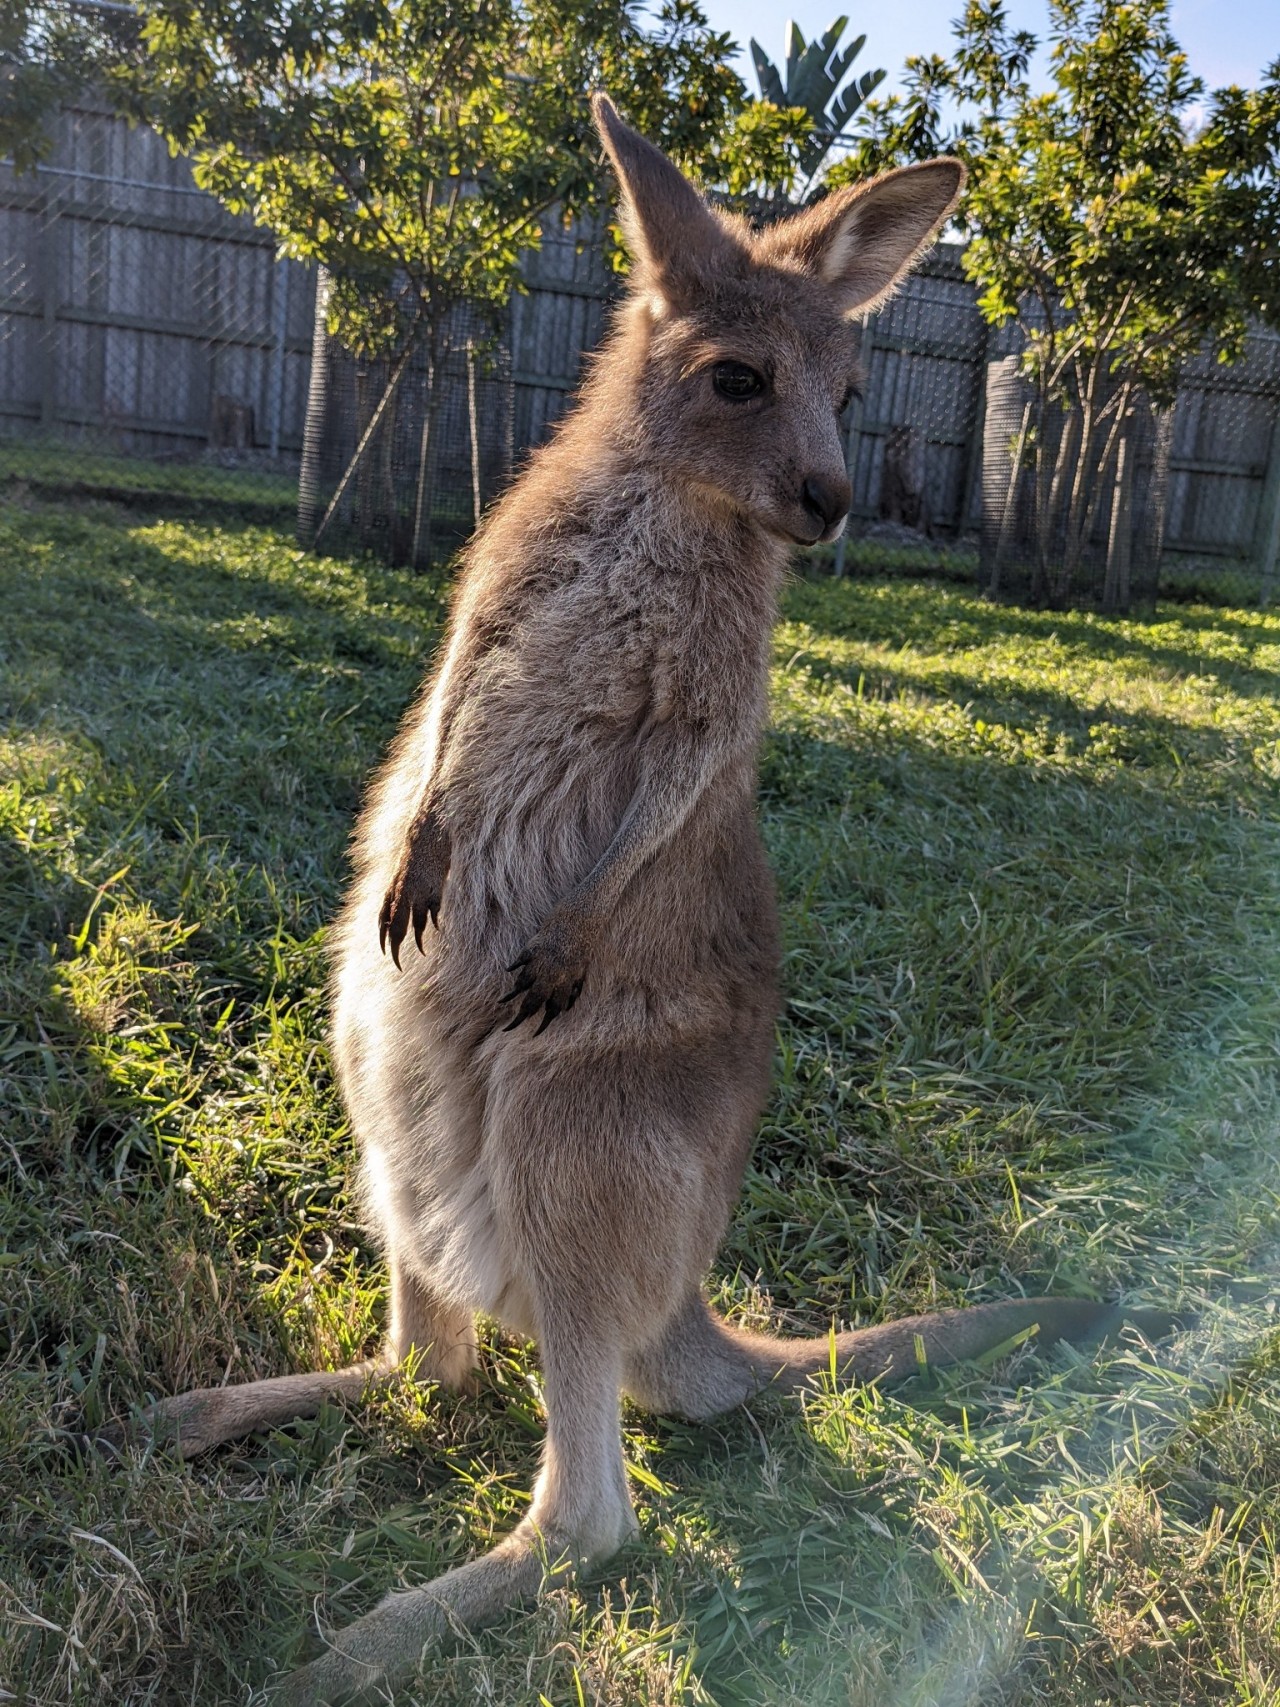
<point x="860" y="240"/>
<point x="674" y="236"/>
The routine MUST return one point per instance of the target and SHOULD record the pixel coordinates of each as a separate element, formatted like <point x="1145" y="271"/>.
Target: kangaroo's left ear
<point x="861" y="239"/>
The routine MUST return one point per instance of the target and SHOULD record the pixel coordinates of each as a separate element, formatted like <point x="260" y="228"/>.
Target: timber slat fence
<point x="137" y="316"/>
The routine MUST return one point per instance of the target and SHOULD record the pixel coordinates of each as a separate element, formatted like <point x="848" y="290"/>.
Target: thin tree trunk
<point x="473" y="423"/>
<point x="1069" y="453"/>
<point x="421" y="554"/>
<point x="313" y="430"/>
<point x="1043" y="477"/>
<point x="1115" y="588"/>
<point x="1078" y="537"/>
<point x="1077" y="500"/>
<point x="365" y="383"/>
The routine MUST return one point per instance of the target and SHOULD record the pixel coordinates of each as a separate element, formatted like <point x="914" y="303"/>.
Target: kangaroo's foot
<point x="581" y="1513"/>
<point x="433" y="1340"/>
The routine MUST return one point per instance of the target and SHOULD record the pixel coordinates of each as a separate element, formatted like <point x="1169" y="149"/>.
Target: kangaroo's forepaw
<point x="418" y="887"/>
<point x="551" y="971"/>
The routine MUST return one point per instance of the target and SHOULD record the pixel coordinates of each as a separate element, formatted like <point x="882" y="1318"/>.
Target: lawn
<point x="1031" y="887"/>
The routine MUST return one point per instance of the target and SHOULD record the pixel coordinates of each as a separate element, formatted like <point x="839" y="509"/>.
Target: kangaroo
<point x="555" y="1085"/>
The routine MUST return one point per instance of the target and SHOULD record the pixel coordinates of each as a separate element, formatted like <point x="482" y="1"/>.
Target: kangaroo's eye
<point x="736" y="382"/>
<point x="847" y="399"/>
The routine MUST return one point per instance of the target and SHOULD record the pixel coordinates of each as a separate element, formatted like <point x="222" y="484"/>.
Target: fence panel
<point x="1226" y="446"/>
<point x="923" y="356"/>
<point x="135" y="314"/>
<point x="559" y="318"/>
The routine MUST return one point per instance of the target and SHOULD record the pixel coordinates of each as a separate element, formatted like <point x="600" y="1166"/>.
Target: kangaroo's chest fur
<point x="633" y="618"/>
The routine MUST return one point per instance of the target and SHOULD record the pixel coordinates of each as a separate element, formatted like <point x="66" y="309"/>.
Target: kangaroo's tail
<point x="701" y="1366"/>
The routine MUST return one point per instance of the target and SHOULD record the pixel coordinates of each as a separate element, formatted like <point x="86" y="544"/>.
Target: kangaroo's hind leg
<point x="439" y="1336"/>
<point x="580" y="1511"/>
<point x="572" y="1154"/>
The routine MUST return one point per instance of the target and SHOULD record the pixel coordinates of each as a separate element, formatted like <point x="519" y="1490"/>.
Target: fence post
<point x="46" y="338"/>
<point x="853" y="428"/>
<point x="1268" y="535"/>
<point x="280" y="307"/>
<point x="313" y="430"/>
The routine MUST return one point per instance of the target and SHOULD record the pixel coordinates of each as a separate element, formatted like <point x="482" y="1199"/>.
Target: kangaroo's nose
<point x="825" y="500"/>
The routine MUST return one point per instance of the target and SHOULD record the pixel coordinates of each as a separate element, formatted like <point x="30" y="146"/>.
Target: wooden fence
<point x="137" y="313"/>
<point x="134" y="312"/>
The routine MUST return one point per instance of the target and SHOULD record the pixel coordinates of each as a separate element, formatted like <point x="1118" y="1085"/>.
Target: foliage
<point x="412" y="146"/>
<point x="1123" y="218"/>
<point x="814" y="74"/>
<point x="1029" y="869"/>
<point x="51" y="53"/>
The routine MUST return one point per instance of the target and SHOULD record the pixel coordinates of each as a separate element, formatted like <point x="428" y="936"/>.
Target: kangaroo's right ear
<point x="675" y="237"/>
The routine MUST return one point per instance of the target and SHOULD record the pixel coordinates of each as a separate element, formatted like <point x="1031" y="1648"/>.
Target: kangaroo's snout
<point x="827" y="501"/>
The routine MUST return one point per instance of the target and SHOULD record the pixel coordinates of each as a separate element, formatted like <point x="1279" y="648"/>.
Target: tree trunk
<point x="313" y="430"/>
<point x="420" y="556"/>
<point x="1115" y="588"/>
<point x="473" y="424"/>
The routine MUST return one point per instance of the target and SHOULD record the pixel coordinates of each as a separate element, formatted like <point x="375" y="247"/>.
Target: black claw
<point x="383" y="923"/>
<point x="433" y="912"/>
<point x="573" y="995"/>
<point x="553" y="1008"/>
<point x="523" y="983"/>
<point x="395" y="951"/>
<point x="521" y="960"/>
<point x="529" y="1006"/>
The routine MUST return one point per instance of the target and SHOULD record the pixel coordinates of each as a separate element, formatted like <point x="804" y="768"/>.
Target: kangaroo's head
<point x="750" y="354"/>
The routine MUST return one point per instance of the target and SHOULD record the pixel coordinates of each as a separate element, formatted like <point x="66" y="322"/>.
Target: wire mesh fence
<point x="142" y="328"/>
<point x="1222" y="535"/>
<point x="402" y="454"/>
<point x="139" y="321"/>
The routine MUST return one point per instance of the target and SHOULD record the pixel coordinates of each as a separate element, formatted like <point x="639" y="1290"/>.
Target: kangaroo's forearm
<point x="457" y="677"/>
<point x="676" y="772"/>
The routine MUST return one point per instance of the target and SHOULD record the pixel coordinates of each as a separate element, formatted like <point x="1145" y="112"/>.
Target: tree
<point x="52" y="51"/>
<point x="814" y="74"/>
<point x="1122" y="219"/>
<point x="412" y="147"/>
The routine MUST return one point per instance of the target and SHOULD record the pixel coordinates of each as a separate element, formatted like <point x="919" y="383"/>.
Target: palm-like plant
<point x="814" y="73"/>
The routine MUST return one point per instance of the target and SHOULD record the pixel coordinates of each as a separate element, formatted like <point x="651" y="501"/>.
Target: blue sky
<point x="1227" y="41"/>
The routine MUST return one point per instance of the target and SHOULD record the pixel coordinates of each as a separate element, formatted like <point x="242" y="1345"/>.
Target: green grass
<point x="52" y="470"/>
<point x="1032" y="904"/>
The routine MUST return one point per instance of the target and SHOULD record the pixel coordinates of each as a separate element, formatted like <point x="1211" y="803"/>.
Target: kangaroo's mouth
<point x="823" y="537"/>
